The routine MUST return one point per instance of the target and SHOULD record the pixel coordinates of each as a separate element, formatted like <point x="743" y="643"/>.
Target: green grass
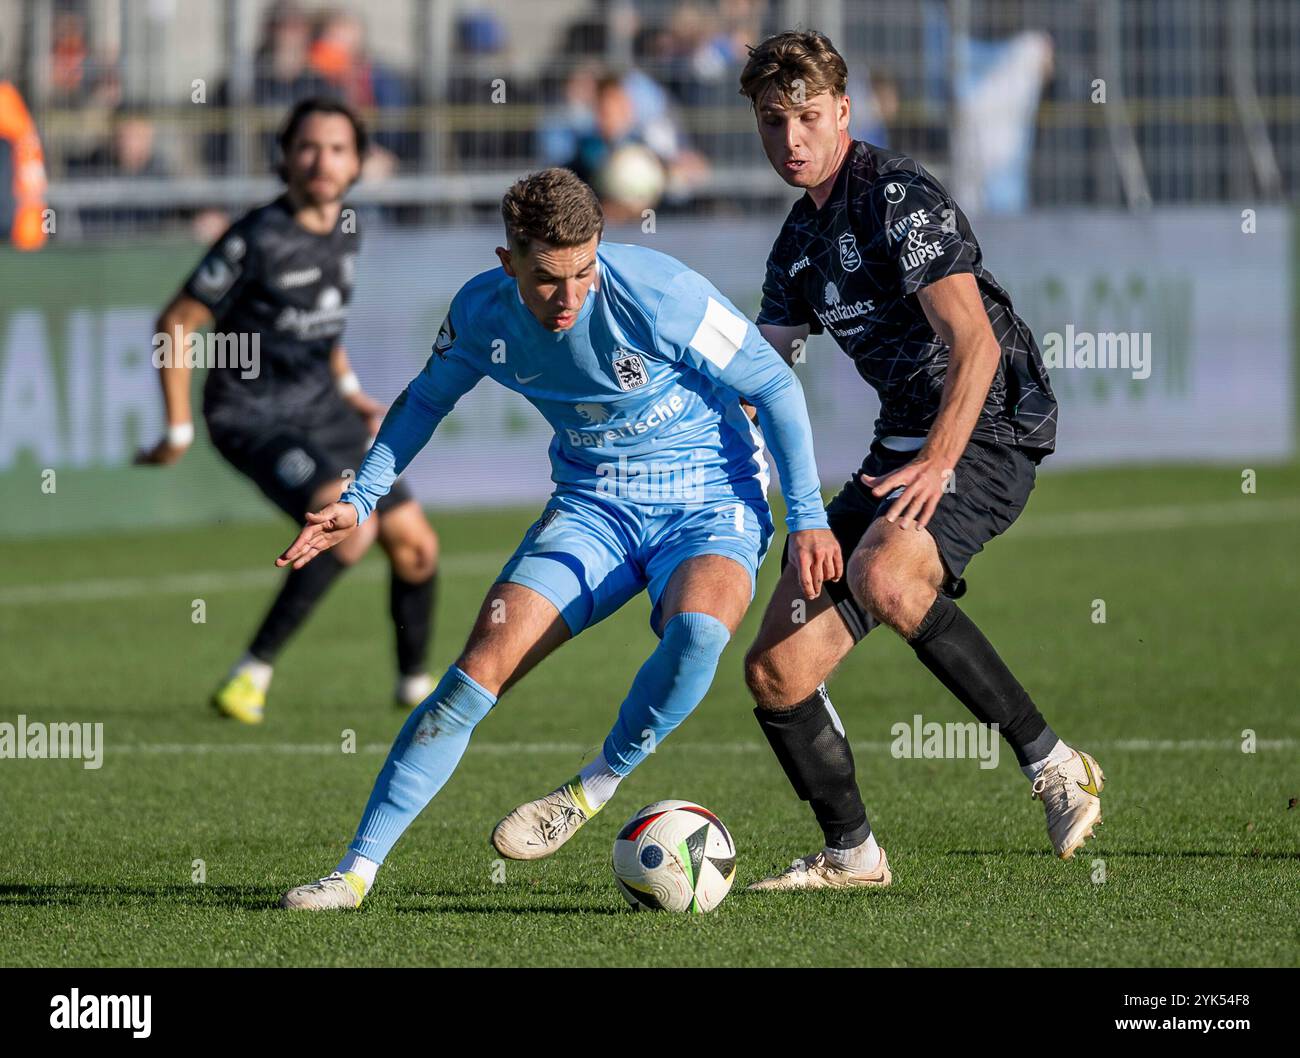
<point x="1199" y="847"/>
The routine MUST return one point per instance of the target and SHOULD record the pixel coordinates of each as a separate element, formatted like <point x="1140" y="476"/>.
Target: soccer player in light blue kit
<point x="639" y="364"/>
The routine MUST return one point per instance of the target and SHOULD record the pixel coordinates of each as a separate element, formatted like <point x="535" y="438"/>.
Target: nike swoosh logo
<point x="530" y="378"/>
<point x="1091" y="787"/>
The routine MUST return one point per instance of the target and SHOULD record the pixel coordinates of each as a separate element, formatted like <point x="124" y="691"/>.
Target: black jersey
<point x="853" y="268"/>
<point x="270" y="276"/>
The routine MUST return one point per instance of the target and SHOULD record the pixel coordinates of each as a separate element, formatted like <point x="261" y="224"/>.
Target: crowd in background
<point x="661" y="124"/>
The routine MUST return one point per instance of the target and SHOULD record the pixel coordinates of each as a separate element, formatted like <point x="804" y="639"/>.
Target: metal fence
<point x="152" y="112"/>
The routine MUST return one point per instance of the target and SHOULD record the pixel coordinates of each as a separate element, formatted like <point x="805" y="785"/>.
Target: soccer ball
<point x="674" y="856"/>
<point x="633" y="177"/>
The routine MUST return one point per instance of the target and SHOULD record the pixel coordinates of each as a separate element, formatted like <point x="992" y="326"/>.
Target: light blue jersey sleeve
<point x="694" y="324"/>
<point x="448" y="375"/>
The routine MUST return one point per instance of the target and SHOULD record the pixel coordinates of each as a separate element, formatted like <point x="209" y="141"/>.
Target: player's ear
<point x="843" y="112"/>
<point x="506" y="261"/>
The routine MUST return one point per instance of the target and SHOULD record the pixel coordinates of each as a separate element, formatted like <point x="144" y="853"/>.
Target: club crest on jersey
<point x="849" y="256"/>
<point x="630" y="372"/>
<point x="446" y="338"/>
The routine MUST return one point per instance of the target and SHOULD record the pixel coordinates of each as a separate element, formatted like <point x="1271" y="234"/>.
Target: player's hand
<point x="164" y="453"/>
<point x="370" y="410"/>
<point x="322" y="531"/>
<point x="816" y="555"/>
<point x="923" y="481"/>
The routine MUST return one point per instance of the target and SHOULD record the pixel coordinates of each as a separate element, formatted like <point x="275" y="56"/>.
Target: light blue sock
<point x="668" y="687"/>
<point x="424" y="755"/>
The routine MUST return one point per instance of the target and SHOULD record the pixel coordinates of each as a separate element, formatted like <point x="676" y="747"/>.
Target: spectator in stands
<point x="127" y="153"/>
<point x="281" y="75"/>
<point x="875" y="106"/>
<point x="996" y="103"/>
<point x="618" y="155"/>
<point x="68" y="59"/>
<point x="338" y="56"/>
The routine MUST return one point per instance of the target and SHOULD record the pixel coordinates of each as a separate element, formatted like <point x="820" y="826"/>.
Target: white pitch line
<point x="325" y="749"/>
<point x="209" y="582"/>
<point x="1245" y="511"/>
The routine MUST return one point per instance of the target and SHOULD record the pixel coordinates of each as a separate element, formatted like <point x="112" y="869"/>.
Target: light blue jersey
<point x="655" y="466"/>
<point x="641" y="391"/>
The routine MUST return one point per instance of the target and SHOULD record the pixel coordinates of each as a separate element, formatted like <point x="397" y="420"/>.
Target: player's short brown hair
<point x="552" y="206"/>
<point x="799" y="64"/>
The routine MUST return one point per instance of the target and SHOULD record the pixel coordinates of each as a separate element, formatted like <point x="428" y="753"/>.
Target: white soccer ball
<point x="633" y="177"/>
<point x="674" y="856"/>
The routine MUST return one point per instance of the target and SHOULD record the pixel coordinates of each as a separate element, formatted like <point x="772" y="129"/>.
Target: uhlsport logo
<point x="895" y="193"/>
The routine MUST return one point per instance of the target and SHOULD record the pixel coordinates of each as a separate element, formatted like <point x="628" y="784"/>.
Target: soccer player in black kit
<point x="878" y="254"/>
<point x="298" y="420"/>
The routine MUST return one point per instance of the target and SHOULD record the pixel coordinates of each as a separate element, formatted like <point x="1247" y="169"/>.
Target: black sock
<point x="411" y="606"/>
<point x="955" y="650"/>
<point x="302" y="590"/>
<point x="819" y="764"/>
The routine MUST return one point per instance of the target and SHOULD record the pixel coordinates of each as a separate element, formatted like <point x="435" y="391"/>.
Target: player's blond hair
<point x="798" y="64"/>
<point x="552" y="206"/>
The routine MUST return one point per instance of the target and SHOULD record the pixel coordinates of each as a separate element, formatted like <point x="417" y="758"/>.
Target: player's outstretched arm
<point x="448" y="375"/>
<point x="323" y="530"/>
<point x="184" y="315"/>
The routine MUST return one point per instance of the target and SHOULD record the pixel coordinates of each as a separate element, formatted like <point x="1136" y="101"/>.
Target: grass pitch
<point x="1197" y="863"/>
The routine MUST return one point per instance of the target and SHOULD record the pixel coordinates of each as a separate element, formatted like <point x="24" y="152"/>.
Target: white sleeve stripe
<point x="720" y="335"/>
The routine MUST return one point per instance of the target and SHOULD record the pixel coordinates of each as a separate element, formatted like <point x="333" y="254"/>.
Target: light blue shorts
<point x="589" y="555"/>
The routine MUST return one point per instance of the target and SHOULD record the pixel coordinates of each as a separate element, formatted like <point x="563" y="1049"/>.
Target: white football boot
<point x="538" y="828"/>
<point x="335" y="892"/>
<point x="1070" y="792"/>
<point x="817" y="872"/>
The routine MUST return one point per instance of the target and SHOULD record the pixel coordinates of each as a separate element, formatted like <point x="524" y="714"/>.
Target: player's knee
<point x="877" y="585"/>
<point x="415" y="557"/>
<point x="696" y="635"/>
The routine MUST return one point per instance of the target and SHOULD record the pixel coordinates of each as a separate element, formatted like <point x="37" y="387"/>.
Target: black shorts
<point x="289" y="462"/>
<point x="991" y="485"/>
